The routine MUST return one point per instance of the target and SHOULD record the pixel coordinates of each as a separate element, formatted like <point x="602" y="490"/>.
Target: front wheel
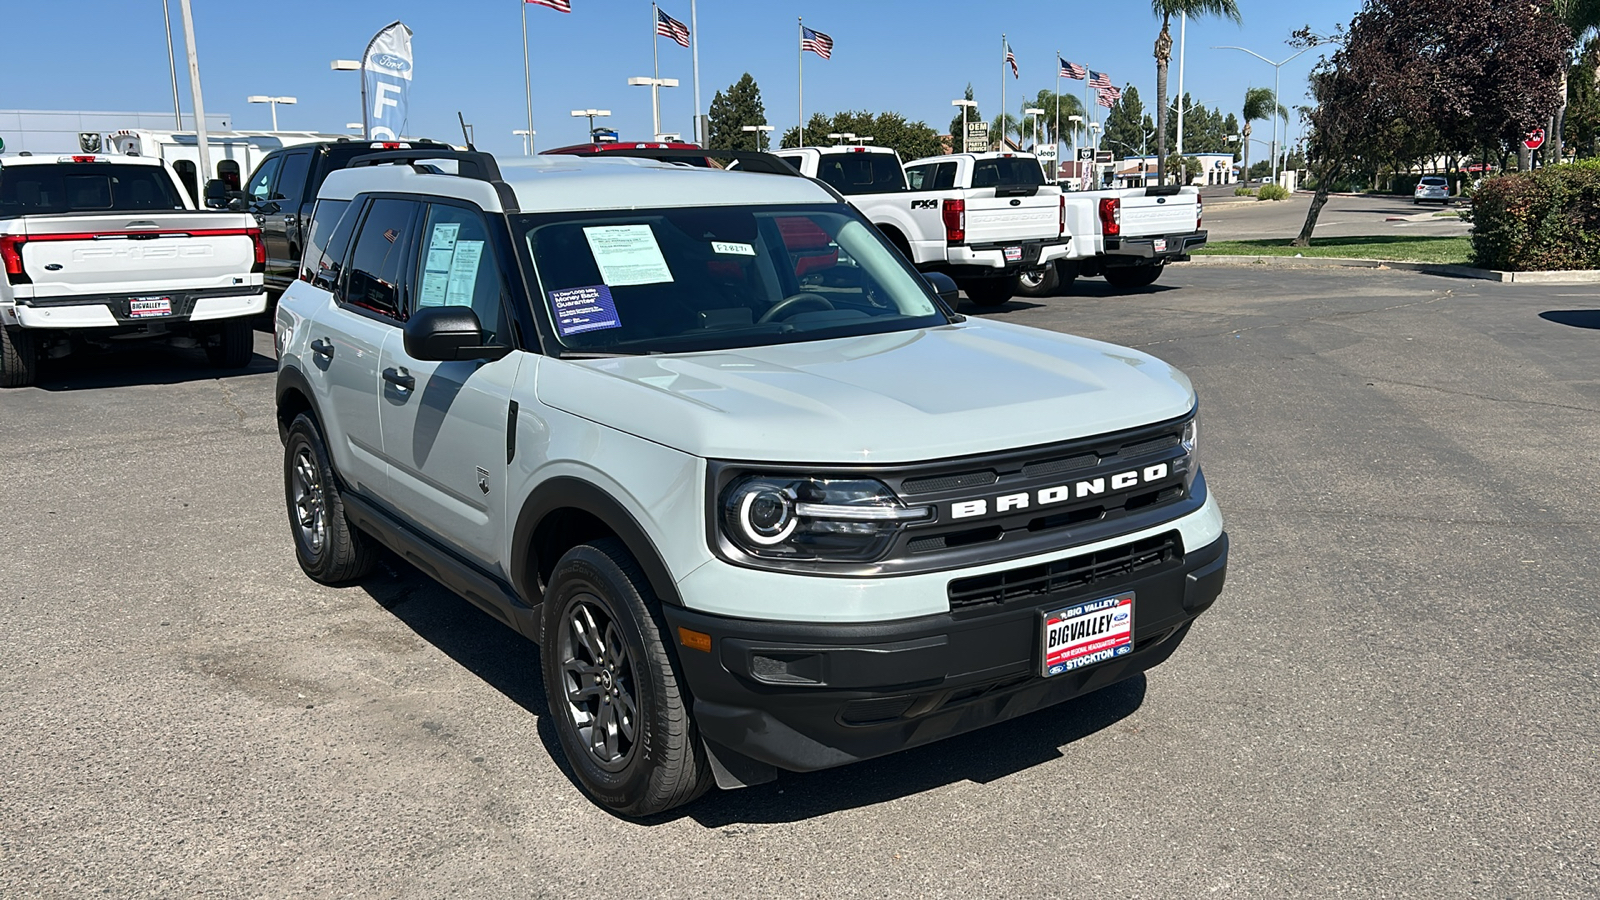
<point x="620" y="709"/>
<point x="19" y="358"/>
<point x="1133" y="276"/>
<point x="234" y="346"/>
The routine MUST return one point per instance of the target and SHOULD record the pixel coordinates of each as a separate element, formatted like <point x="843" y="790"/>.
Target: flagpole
<point x="800" y="58"/>
<point x="694" y="27"/>
<point x="1003" y="48"/>
<point x="1057" y="134"/>
<point x="527" y="74"/>
<point x="655" y="83"/>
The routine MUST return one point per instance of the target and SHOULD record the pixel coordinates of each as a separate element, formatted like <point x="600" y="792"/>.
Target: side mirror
<point x="945" y="287"/>
<point x="216" y="190"/>
<point x="446" y="334"/>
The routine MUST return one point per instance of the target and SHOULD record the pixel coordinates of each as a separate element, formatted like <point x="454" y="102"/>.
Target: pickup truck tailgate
<point x="77" y="254"/>
<point x="999" y="219"/>
<point x="1158" y="215"/>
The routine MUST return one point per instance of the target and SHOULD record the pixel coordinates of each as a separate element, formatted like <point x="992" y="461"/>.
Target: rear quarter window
<point x="326" y="242"/>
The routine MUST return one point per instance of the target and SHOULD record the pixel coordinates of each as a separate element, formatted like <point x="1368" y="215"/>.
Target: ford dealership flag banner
<point x="386" y="82"/>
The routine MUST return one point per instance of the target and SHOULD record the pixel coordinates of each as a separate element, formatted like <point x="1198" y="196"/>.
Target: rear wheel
<point x="991" y="291"/>
<point x="1040" y="282"/>
<point x="1133" y="276"/>
<point x="19" y="358"/>
<point x="234" y="346"/>
<point x="620" y="709"/>
<point x="328" y="547"/>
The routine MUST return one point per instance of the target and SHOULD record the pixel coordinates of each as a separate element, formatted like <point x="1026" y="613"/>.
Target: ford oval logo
<point x="1161" y="199"/>
<point x="53" y="267"/>
<point x="392" y="62"/>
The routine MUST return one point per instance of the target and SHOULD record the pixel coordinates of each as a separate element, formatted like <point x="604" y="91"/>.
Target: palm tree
<point x="1071" y="105"/>
<point x="1005" y="125"/>
<point x="1259" y="104"/>
<point x="1167" y="10"/>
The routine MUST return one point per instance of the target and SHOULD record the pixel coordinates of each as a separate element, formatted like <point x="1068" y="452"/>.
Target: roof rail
<point x="748" y="160"/>
<point x="472" y="164"/>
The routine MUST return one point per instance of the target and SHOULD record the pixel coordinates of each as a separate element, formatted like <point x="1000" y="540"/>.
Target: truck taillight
<point x="260" y="248"/>
<point x="1061" y="217"/>
<point x="955" y="220"/>
<point x="1199" y="213"/>
<point x="11" y="256"/>
<point x="1111" y="216"/>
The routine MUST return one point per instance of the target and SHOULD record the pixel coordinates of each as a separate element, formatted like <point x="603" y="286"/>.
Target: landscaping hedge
<point x="1541" y="220"/>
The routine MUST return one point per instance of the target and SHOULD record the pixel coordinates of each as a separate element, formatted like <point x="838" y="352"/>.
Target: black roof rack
<point x="473" y="164"/>
<point x="748" y="160"/>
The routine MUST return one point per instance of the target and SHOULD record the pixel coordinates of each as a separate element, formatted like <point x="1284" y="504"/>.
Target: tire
<point x="601" y="634"/>
<point x="990" y="291"/>
<point x="19" y="358"/>
<point x="329" y="549"/>
<point x="1039" y="282"/>
<point x="1133" y="276"/>
<point x="235" y="345"/>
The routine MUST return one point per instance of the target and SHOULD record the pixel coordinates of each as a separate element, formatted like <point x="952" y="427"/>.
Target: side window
<point x="944" y="178"/>
<point x="292" y="179"/>
<point x="328" y="238"/>
<point x="260" y="187"/>
<point x="458" y="268"/>
<point x="228" y="171"/>
<point x="917" y="178"/>
<point x="378" y="261"/>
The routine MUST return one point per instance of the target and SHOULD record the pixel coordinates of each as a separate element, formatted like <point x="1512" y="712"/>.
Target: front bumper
<point x="1174" y="247"/>
<point x="807" y="696"/>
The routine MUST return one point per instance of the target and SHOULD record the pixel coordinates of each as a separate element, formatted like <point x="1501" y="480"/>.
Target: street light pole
<point x="1277" y="72"/>
<point x="527" y="139"/>
<point x="202" y="140"/>
<point x="527" y="75"/>
<point x="273" y="102"/>
<point x="172" y="62"/>
<point x="590" y="113"/>
<point x="965" y="105"/>
<point x="760" y="133"/>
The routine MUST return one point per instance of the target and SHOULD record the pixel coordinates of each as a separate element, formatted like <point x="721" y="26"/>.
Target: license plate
<point x="149" y="307"/>
<point x="1013" y="254"/>
<point x="1161" y="245"/>
<point x="1087" y="633"/>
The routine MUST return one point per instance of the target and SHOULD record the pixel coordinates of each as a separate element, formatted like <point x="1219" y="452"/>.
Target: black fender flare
<point x="290" y="378"/>
<point x="565" y="491"/>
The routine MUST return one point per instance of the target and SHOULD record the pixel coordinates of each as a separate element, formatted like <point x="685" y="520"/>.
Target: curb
<point x="1562" y="276"/>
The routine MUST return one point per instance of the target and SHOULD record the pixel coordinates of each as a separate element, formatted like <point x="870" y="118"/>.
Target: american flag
<point x="1072" y="70"/>
<point x="557" y="5"/>
<point x="1012" y="58"/>
<point x="1115" y="93"/>
<point x="1104" y="99"/>
<point x="672" y="28"/>
<point x="1099" y="79"/>
<point x="816" y="42"/>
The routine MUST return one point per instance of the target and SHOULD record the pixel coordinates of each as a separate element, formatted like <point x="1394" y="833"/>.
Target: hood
<point x="973" y="387"/>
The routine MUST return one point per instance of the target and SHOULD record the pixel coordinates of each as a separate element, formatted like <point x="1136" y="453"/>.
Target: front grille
<point x="949" y="482"/>
<point x="1066" y="575"/>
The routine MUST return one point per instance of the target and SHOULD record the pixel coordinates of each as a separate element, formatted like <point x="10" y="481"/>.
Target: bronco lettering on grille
<point x="1061" y="493"/>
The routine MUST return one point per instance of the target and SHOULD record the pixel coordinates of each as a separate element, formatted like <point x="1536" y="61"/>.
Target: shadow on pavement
<point x="1577" y="318"/>
<point x="138" y="364"/>
<point x="509" y="663"/>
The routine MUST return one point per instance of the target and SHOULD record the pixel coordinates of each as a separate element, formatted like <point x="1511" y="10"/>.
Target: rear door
<point x="445" y="423"/>
<point x="97" y="227"/>
<point x="1008" y="200"/>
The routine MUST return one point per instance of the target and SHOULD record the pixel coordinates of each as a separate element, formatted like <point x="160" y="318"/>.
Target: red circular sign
<point x="1534" y="140"/>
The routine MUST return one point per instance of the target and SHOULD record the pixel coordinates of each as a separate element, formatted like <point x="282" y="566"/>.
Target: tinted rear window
<point x="1007" y="172"/>
<point x="85" y="187"/>
<point x="1434" y="181"/>
<point x="862" y="173"/>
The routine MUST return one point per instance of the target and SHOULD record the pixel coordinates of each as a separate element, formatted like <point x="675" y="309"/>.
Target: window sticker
<point x="584" y="309"/>
<point x="434" y="285"/>
<point x="444" y="236"/>
<point x="627" y="255"/>
<point x="731" y="249"/>
<point x="450" y="270"/>
<point x="464" y="273"/>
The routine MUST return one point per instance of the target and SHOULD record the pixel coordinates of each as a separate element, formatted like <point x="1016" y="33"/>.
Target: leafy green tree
<point x="913" y="140"/>
<point x="1071" y="105"/>
<point x="1582" y="19"/>
<point x="1126" y="124"/>
<point x="1230" y="126"/>
<point x="1259" y="103"/>
<point x="730" y="112"/>
<point x="957" y="135"/>
<point x="1004" y="124"/>
<point x="1167" y="10"/>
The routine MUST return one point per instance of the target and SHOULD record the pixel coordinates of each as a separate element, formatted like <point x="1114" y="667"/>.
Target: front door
<point x="445" y="423"/>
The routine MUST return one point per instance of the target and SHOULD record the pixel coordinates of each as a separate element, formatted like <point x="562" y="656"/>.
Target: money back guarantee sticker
<point x="583" y="309"/>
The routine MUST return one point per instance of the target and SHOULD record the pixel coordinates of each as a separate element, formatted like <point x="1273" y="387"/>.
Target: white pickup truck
<point x="98" y="250"/>
<point x="981" y="218"/>
<point x="1128" y="235"/>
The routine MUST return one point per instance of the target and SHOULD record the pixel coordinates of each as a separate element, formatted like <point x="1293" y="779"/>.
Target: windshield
<point x="674" y="280"/>
<point x="85" y="187"/>
<point x="1007" y="171"/>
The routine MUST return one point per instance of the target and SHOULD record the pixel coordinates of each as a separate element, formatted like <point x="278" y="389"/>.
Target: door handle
<point x="400" y="378"/>
<point x="322" y="348"/>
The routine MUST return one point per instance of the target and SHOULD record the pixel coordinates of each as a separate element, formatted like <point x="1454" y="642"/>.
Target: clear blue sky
<point x="911" y="57"/>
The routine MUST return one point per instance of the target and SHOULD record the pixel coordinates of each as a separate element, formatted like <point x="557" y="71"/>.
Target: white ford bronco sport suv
<point x="763" y="500"/>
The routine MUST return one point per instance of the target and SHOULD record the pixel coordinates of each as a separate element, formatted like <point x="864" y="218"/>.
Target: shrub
<point x="1242" y="191"/>
<point x="1273" y="192"/>
<point x="1540" y="220"/>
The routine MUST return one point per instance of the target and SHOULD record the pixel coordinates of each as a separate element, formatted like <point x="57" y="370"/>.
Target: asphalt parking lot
<point x="1396" y="695"/>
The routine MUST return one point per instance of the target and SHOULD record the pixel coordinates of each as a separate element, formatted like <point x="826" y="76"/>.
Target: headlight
<point x="844" y="520"/>
<point x="1190" y="442"/>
